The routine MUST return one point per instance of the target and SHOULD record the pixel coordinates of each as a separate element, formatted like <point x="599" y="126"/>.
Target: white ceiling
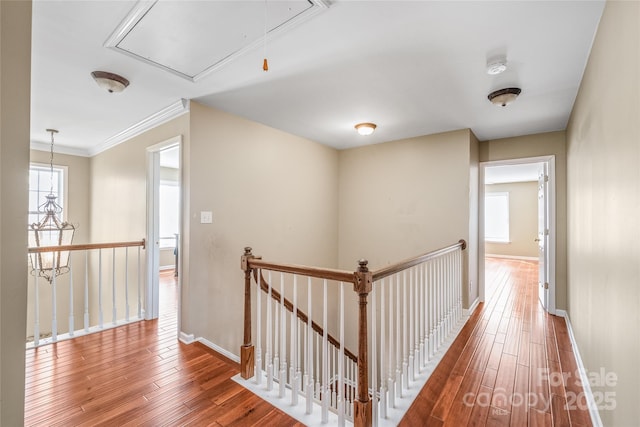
<point x="412" y="67"/>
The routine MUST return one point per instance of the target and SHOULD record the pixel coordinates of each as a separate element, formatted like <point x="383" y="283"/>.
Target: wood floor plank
<point x="514" y="346"/>
<point x="138" y="374"/>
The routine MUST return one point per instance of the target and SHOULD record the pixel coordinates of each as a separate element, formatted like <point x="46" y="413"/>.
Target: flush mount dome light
<point x="109" y="81"/>
<point x="365" y="128"/>
<point x="505" y="96"/>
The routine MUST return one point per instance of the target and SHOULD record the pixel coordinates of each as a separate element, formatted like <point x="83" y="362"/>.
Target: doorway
<point x="517" y="221"/>
<point x="164" y="222"/>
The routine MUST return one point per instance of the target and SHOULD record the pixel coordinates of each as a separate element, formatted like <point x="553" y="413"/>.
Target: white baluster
<point x="432" y="300"/>
<point x="383" y="352"/>
<point x="450" y="284"/>
<point x="276" y="344"/>
<point x="411" y="327"/>
<point x="36" y="315"/>
<point x="405" y="340"/>
<point x="54" y="302"/>
<point x="294" y="345"/>
<point x="416" y="322"/>
<point x="391" y="351"/>
<point x="71" y="322"/>
<point x="374" y="359"/>
<point x="422" y="316"/>
<point x="86" y="291"/>
<point x="126" y="283"/>
<point x="259" y="330"/>
<point x="325" y="373"/>
<point x="341" y="408"/>
<point x="267" y="356"/>
<point x="283" y="340"/>
<point x="309" y="365"/>
<point x="139" y="291"/>
<point x="100" y="311"/>
<point x="318" y="358"/>
<point x="398" y="341"/>
<point x="460" y="284"/>
<point x="113" y="286"/>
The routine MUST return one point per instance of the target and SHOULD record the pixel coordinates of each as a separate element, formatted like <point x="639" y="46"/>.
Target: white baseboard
<point x="186" y="338"/>
<point x="469" y="311"/>
<point x="523" y="258"/>
<point x="167" y="267"/>
<point x="584" y="379"/>
<point x="219" y="349"/>
<point x="190" y="339"/>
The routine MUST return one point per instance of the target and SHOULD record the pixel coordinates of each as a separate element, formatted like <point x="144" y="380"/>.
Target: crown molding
<point x="59" y="149"/>
<point x="174" y="110"/>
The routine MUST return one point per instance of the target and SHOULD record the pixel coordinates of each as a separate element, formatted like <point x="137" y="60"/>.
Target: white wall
<point x="603" y="139"/>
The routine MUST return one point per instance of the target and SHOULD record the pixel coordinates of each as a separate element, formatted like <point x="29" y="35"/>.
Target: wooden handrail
<point x="88" y="246"/>
<point x="319" y="273"/>
<point x="264" y="285"/>
<point x="407" y="263"/>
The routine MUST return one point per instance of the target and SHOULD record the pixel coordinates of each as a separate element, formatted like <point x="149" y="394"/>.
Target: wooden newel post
<point x="246" y="351"/>
<point x="362" y="404"/>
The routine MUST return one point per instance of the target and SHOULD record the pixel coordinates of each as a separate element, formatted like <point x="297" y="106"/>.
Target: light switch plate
<point x="206" y="217"/>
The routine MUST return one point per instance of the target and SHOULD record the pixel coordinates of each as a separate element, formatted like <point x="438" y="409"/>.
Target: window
<point x="496" y="217"/>
<point x="41" y="183"/>
<point x="169" y="204"/>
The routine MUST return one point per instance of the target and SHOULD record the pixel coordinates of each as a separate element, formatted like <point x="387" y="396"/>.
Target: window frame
<point x="498" y="238"/>
<point x="164" y="242"/>
<point x="63" y="189"/>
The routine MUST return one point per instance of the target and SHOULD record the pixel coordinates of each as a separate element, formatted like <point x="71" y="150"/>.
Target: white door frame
<point x="152" y="301"/>
<point x="551" y="250"/>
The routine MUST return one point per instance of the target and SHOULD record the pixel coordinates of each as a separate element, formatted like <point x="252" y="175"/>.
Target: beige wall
<point x="603" y="140"/>
<point x="523" y="219"/>
<point x="267" y="189"/>
<point x="403" y="198"/>
<point x="119" y="200"/>
<point x="544" y="144"/>
<point x="15" y="73"/>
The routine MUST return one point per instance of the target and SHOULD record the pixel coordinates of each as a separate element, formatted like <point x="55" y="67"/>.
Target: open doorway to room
<point x="517" y="225"/>
<point x="163" y="227"/>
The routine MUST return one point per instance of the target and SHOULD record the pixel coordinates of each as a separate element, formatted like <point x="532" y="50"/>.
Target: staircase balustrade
<point x="405" y="312"/>
<point x="105" y="271"/>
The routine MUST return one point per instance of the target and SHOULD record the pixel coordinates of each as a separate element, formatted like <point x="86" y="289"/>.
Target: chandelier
<point x="50" y="231"/>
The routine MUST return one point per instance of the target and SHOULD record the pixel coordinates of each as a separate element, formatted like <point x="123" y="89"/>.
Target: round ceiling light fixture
<point x="505" y="96"/>
<point x="365" y="128"/>
<point x="112" y="83"/>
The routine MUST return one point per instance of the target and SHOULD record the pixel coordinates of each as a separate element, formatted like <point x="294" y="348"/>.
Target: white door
<point x="543" y="235"/>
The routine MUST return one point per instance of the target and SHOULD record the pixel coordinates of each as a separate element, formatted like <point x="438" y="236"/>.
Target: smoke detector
<point x="496" y="66"/>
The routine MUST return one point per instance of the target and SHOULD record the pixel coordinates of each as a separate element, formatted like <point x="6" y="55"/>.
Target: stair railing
<point x="106" y="276"/>
<point x="419" y="302"/>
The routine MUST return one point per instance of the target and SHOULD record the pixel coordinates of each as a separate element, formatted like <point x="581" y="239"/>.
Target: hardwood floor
<point x="140" y="374"/>
<point x="506" y="366"/>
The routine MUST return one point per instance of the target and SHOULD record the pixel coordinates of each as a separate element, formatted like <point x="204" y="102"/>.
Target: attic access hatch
<point x="193" y="38"/>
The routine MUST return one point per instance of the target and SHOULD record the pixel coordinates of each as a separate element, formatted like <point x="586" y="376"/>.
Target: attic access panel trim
<point x="191" y="39"/>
